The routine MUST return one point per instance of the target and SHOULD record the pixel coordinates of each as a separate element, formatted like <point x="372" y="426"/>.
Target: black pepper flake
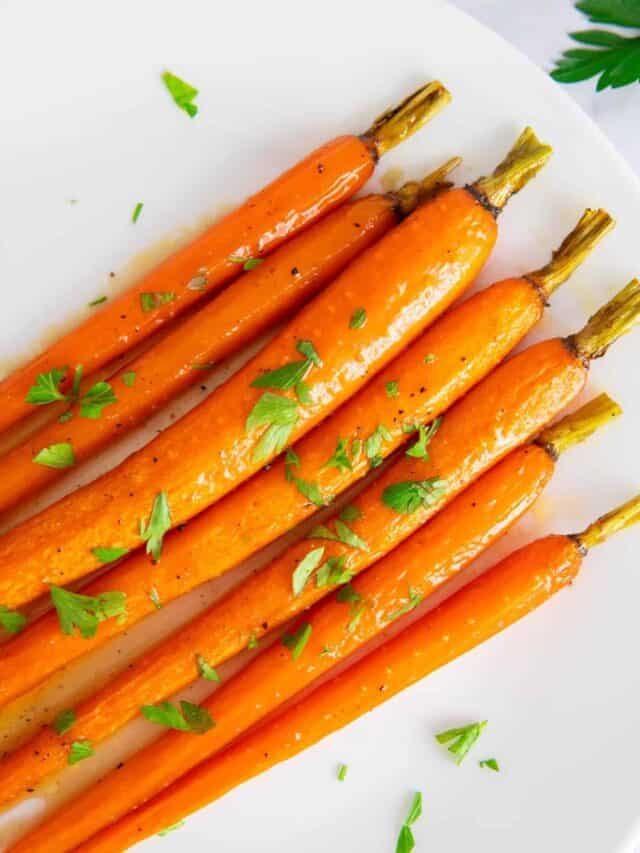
<point x="112" y="275"/>
<point x="320" y="168"/>
<point x="356" y="225"/>
<point x="295" y="271"/>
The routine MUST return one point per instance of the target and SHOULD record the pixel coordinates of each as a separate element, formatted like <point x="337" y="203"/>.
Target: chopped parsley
<point x="65" y="416"/>
<point x="155" y="598"/>
<point x="298" y="640"/>
<point x="415" y="598"/>
<point x="342" y="772"/>
<point x="64" y="722"/>
<point x="305" y="569"/>
<point x="108" y="555"/>
<point x="206" y="671"/>
<point x="80" y="749"/>
<point x="411" y="495"/>
<point x="373" y="444"/>
<point x="171" y="828"/>
<point x="425" y="434"/>
<point x="137" y="210"/>
<point x="461" y="740"/>
<point x="159" y="523"/>
<point x="12" y="621"/>
<point x="392" y="389"/>
<point x="252" y="642"/>
<point x="285" y="377"/>
<point x="333" y="573"/>
<point x="46" y="388"/>
<point x="358" y="319"/>
<point x="59" y="455"/>
<point x="303" y="393"/>
<point x="356" y="449"/>
<point x="181" y="92"/>
<point x="280" y="415"/>
<point x="187" y="718"/>
<point x="310" y="490"/>
<point x="342" y="534"/>
<point x="129" y="378"/>
<point x="85" y="612"/>
<point x="248" y="264"/>
<point x="151" y="301"/>
<point x="339" y="460"/>
<point x="490" y="764"/>
<point x="350" y="513"/>
<point x="406" y="841"/>
<point x="429" y="358"/>
<point x="97" y="301"/>
<point x="307" y="349"/>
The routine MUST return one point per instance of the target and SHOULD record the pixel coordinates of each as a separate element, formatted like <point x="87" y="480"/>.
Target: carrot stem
<point x="610" y="524"/>
<point x="579" y="425"/>
<point x="398" y="123"/>
<point x="523" y="162"/>
<point x="592" y="226"/>
<point x="608" y="324"/>
<point x="413" y="193"/>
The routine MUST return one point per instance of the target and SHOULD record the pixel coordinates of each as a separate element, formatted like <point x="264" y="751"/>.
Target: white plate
<point x="85" y="117"/>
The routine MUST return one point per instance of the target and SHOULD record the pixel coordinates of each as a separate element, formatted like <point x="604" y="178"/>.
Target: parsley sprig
<point x="159" y="523"/>
<point x="86" y="612"/>
<point x="12" y="621"/>
<point x="187" y="718"/>
<point x="409" y="496"/>
<point x="406" y="841"/>
<point x="461" y="740"/>
<point x="613" y="58"/>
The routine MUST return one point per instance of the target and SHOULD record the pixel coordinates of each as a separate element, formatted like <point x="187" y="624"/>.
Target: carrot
<point x="500" y="597"/>
<point x="461" y="348"/>
<point x="476" y="433"/>
<point x="240" y="427"/>
<point x="335" y="629"/>
<point x="293" y="273"/>
<point x="298" y="197"/>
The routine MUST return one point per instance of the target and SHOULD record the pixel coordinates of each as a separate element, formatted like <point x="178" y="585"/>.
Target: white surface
<point x="540" y="30"/>
<point x="87" y="118"/>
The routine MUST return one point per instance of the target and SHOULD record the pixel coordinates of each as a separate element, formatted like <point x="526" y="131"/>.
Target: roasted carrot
<point x="461" y="348"/>
<point x="298" y="197"/>
<point x="334" y="629"/>
<point x="476" y="433"/>
<point x="500" y="597"/>
<point x="418" y="269"/>
<point x="291" y="275"/>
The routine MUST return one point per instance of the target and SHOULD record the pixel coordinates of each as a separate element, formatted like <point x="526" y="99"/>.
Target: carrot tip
<point x="613" y="320"/>
<point x="592" y="226"/>
<point x="523" y="162"/>
<point x="610" y="524"/>
<point x="413" y="193"/>
<point x="579" y="425"/>
<point x="400" y="122"/>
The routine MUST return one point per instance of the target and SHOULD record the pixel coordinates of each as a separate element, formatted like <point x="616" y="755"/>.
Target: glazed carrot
<point x="298" y="197"/>
<point x="336" y="628"/>
<point x="506" y="409"/>
<point x="459" y="350"/>
<point x="502" y="596"/>
<point x="256" y="301"/>
<point x="418" y="269"/>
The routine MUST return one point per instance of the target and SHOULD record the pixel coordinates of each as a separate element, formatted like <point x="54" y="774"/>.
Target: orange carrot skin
<point x="502" y="596"/>
<point x="465" y="528"/>
<point x="463" y="346"/>
<point x="418" y="269"/>
<point x="433" y="555"/>
<point x="299" y="196"/>
<point x="249" y="306"/>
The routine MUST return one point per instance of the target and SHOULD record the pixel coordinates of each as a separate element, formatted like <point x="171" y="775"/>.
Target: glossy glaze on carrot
<point x="503" y="595"/>
<point x="295" y="199"/>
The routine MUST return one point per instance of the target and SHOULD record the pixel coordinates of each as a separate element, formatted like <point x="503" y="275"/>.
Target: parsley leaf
<point x="350" y="513"/>
<point x="290" y="458"/>
<point x="373" y="444"/>
<point x="59" y="455"/>
<point x="171" y="828"/>
<point x="348" y="595"/>
<point x="64" y="722"/>
<point x="620" y="12"/>
<point x="490" y="764"/>
<point x="307" y="349"/>
<point x="340" y="460"/>
<point x="298" y="640"/>
<point x="358" y="319"/>
<point x="248" y="264"/>
<point x="429" y="358"/>
<point x="188" y="718"/>
<point x="151" y="301"/>
<point x="342" y="772"/>
<point x="206" y="670"/>
<point x="80" y="749"/>
<point x="614" y="58"/>
<point x="310" y="490"/>
<point x="129" y="378"/>
<point x="181" y="92"/>
<point x="285" y="377"/>
<point x="343" y="534"/>
<point x="46" y="390"/>
<point x="65" y="416"/>
<point x="98" y="301"/>
<point x="462" y="739"/>
<point x="108" y="555"/>
<point x="96" y="398"/>
<point x="281" y="414"/>
<point x="303" y="393"/>
<point x="85" y="612"/>
<point x="406" y="841"/>
<point x="410" y="495"/>
<point x="415" y="598"/>
<point x="137" y="210"/>
<point x="425" y="434"/>
<point x="332" y="572"/>
<point x="12" y="621"/>
<point x="253" y="642"/>
<point x="305" y="569"/>
<point x="392" y="389"/>
<point x="155" y="598"/>
<point x="159" y="523"/>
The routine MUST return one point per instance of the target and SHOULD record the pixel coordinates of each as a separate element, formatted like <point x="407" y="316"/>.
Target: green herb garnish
<point x="155" y="598"/>
<point x="307" y="349"/>
<point x="98" y="301"/>
<point x="171" y="828"/>
<point x="206" y="671"/>
<point x="108" y="555"/>
<point x="285" y="377"/>
<point x="342" y="772"/>
<point x="80" y="749"/>
<point x="305" y="569"/>
<point x="340" y="459"/>
<point x="358" y="319"/>
<point x="342" y="534"/>
<point x="59" y="455"/>
<point x="490" y="764"/>
<point x="181" y="92"/>
<point x="303" y="393"/>
<point x="392" y="389"/>
<point x="350" y="513"/>
<point x="425" y="434"/>
<point x="12" y="621"/>
<point x="96" y="398"/>
<point x="129" y="378"/>
<point x="64" y="722"/>
<point x="151" y="301"/>
<point x="411" y="495"/>
<point x="248" y="264"/>
<point x="298" y="640"/>
<point x="137" y="210"/>
<point x="85" y="612"/>
<point x="46" y="390"/>
<point x="415" y="598"/>
<point x="406" y="841"/>
<point x="159" y="523"/>
<point x="187" y="718"/>
<point x="281" y="415"/>
<point x="253" y="642"/>
<point x="332" y="572"/>
<point x="461" y="739"/>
